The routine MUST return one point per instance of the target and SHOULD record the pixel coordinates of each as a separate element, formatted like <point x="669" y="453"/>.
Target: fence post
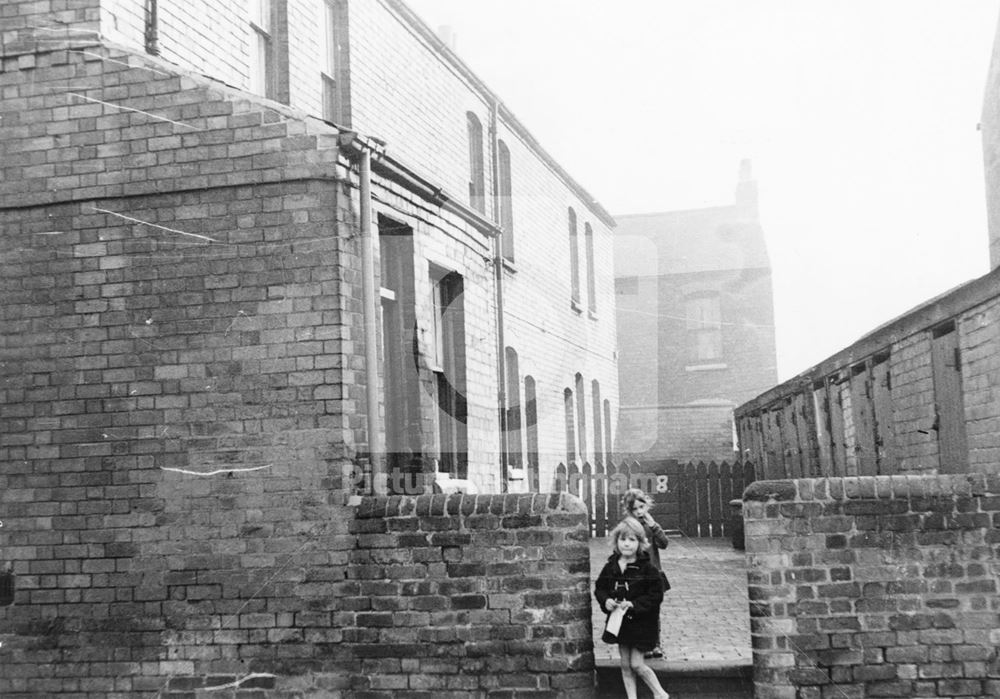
<point x="701" y="498"/>
<point x="727" y="476"/>
<point x="573" y="475"/>
<point x="685" y="501"/>
<point x="715" y="504"/>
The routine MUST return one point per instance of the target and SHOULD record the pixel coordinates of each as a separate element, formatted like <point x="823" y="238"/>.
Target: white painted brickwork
<point x="404" y="93"/>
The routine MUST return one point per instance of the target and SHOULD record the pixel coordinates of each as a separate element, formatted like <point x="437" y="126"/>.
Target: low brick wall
<point x="875" y="587"/>
<point x="469" y="596"/>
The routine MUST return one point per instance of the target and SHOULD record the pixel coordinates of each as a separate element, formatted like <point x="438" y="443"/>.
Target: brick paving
<point x="705" y="622"/>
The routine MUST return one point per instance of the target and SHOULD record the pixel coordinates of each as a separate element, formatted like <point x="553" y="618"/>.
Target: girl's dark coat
<point x="640" y="584"/>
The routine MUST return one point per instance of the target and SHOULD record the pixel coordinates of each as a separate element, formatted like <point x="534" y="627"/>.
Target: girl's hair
<point x="629" y="525"/>
<point x="631" y="496"/>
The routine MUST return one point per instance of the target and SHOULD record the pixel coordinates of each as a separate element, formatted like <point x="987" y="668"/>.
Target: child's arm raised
<point x="658" y="536"/>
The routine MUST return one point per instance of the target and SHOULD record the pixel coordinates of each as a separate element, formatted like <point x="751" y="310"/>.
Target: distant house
<point x="695" y="325"/>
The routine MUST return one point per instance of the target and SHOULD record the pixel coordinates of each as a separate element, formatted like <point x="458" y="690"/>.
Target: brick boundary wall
<point x="874" y="587"/>
<point x="462" y="596"/>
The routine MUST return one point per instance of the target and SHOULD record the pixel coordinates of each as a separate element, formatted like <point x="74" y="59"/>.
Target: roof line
<point x="677" y="211"/>
<point x="428" y="34"/>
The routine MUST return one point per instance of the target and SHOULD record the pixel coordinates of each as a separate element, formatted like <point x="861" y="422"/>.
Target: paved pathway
<point x="705" y="622"/>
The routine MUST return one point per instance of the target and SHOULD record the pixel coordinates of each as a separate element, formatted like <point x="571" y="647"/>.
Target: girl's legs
<point x="628" y="677"/>
<point x="640" y="668"/>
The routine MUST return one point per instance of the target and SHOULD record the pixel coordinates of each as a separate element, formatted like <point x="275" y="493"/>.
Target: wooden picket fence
<point x="705" y="491"/>
<point x="691" y="498"/>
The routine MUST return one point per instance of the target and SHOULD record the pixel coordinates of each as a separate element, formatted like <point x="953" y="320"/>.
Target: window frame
<point x="703" y="323"/>
<point x="574" y="260"/>
<point x="477" y="165"/>
<point x="261" y="68"/>
<point x="506" y="200"/>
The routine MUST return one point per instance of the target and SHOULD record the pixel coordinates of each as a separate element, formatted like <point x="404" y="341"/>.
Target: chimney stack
<point x="448" y="36"/>
<point x="746" y="191"/>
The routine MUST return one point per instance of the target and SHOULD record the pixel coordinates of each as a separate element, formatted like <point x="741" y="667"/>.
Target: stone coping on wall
<point x="872" y="487"/>
<point x="467" y="504"/>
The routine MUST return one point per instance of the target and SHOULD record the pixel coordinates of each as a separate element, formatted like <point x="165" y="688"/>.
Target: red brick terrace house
<point x="695" y="311"/>
<point x="233" y="276"/>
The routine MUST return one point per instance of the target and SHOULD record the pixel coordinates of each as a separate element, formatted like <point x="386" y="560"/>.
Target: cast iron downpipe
<point x="379" y="484"/>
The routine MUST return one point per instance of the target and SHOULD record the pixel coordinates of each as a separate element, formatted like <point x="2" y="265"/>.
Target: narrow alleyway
<point x="705" y="620"/>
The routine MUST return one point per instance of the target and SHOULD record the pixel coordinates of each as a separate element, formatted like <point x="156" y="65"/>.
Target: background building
<point x="695" y="325"/>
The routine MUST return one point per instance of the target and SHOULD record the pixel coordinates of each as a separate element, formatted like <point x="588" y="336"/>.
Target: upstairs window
<point x="704" y="327"/>
<point x="477" y="177"/>
<point x="506" y="202"/>
<point x="262" y="68"/>
<point x="588" y="239"/>
<point x="574" y="259"/>
<point x="328" y="73"/>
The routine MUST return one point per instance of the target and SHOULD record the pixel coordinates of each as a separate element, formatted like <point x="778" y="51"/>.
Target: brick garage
<point x="865" y="587"/>
<point x="916" y="395"/>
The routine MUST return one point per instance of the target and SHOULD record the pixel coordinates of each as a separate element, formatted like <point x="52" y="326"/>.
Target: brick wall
<point x="179" y="294"/>
<point x="684" y="432"/>
<point x="467" y="596"/>
<point x="913" y="405"/>
<point x="882" y="586"/>
<point x="980" y="351"/>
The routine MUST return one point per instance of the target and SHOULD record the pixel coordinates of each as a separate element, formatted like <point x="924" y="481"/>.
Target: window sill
<point x="592" y="315"/>
<point x="509" y="266"/>
<point x="575" y="305"/>
<point x="718" y="366"/>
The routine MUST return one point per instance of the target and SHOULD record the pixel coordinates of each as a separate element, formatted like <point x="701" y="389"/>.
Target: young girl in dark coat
<point x="636" y="503"/>
<point x="630" y="581"/>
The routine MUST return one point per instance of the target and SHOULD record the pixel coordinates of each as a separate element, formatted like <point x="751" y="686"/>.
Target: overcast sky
<point x="861" y="118"/>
